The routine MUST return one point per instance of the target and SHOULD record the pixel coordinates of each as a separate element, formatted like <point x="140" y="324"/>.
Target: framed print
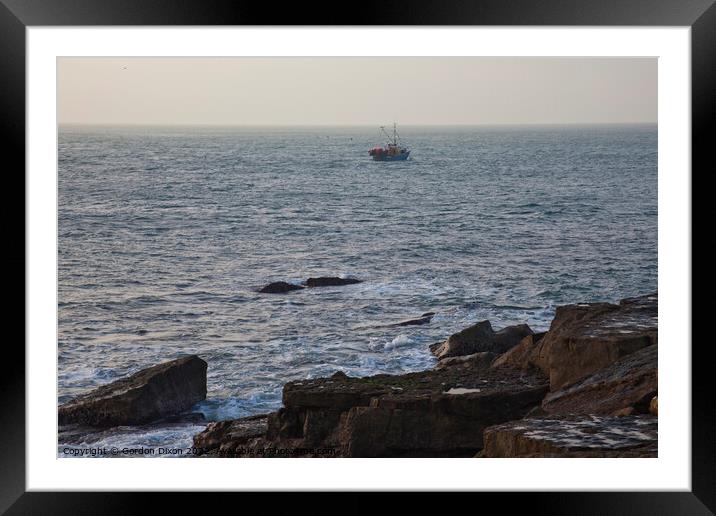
<point x="417" y="248"/>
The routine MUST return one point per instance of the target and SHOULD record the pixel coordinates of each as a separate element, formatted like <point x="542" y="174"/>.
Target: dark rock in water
<point x="329" y="281"/>
<point x="150" y="394"/>
<point x="279" y="287"/>
<point x="423" y="319"/>
<point x="585" y="338"/>
<point x="480" y="338"/>
<point x="223" y="438"/>
<point x="628" y="383"/>
<point x="574" y="436"/>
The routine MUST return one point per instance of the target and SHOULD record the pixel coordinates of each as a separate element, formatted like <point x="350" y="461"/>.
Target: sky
<point x="356" y="91"/>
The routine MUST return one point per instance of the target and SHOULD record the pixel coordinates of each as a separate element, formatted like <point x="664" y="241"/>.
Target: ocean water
<point x="166" y="233"/>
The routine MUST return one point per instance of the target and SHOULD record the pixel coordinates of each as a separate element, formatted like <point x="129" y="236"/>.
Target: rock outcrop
<point x="524" y="355"/>
<point x="585" y="388"/>
<point x="150" y="394"/>
<point x="629" y="383"/>
<point x="330" y="281"/>
<point x="573" y="436"/>
<point x="227" y="438"/>
<point x="585" y="338"/>
<point x="476" y="362"/>
<point x="279" y="287"/>
<point x="432" y="413"/>
<point x="479" y="338"/>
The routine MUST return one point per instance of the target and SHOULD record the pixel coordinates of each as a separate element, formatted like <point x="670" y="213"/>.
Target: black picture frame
<point x="17" y="15"/>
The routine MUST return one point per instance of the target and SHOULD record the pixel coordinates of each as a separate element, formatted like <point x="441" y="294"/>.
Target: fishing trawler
<point x="392" y="151"/>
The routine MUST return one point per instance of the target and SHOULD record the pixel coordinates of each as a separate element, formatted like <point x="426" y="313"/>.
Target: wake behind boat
<point x="392" y="151"/>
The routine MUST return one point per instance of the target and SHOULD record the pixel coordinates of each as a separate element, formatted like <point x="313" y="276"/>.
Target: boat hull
<point x="386" y="157"/>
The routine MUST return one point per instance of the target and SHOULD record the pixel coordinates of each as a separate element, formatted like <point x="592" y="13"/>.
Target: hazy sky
<point x="356" y="91"/>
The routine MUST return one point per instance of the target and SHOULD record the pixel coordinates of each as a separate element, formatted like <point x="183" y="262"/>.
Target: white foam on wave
<point x="400" y="341"/>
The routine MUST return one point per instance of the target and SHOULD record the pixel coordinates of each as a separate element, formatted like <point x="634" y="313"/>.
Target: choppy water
<point x="165" y="234"/>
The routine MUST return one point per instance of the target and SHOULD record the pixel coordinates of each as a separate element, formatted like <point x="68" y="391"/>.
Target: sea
<point x="165" y="234"/>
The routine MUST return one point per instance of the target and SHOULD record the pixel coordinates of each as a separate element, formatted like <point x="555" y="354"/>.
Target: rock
<point x="431" y="413"/>
<point x="150" y="394"/>
<point x="473" y="339"/>
<point x="573" y="436"/>
<point x="524" y="355"/>
<point x="423" y="319"/>
<point x="629" y="382"/>
<point x="279" y="287"/>
<point x="654" y="406"/>
<point x="536" y="412"/>
<point x="329" y="281"/>
<point x="224" y="438"/>
<point x="476" y="361"/>
<point x="435" y="347"/>
<point x="626" y="411"/>
<point x="479" y="338"/>
<point x="585" y="338"/>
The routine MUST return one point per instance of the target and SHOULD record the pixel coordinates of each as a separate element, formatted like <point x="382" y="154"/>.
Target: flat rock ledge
<point x="587" y="337"/>
<point x="573" y="436"/>
<point x="148" y="395"/>
<point x="437" y="413"/>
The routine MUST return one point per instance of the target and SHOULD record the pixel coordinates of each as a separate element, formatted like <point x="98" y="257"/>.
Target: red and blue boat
<point x="392" y="150"/>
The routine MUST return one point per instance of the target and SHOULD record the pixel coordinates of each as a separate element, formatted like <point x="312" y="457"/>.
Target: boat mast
<point x="394" y="141"/>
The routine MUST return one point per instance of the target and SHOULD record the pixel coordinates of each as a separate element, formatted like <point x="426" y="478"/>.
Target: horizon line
<point x="279" y="125"/>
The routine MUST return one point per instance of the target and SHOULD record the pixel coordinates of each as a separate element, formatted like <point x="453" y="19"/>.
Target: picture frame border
<point x="17" y="15"/>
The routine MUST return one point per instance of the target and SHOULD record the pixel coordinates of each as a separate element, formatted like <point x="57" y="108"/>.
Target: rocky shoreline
<point x="585" y="388"/>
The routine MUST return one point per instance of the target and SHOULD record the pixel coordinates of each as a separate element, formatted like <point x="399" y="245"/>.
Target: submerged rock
<point x="279" y="287"/>
<point x="629" y="383"/>
<point x="150" y="394"/>
<point x="423" y="319"/>
<point x="574" y="436"/>
<point x="330" y="281"/>
<point x="585" y="338"/>
<point x="479" y="338"/>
